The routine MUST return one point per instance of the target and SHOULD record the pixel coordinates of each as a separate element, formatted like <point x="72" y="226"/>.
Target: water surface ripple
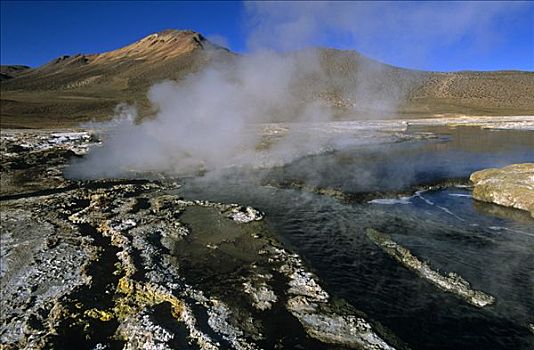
<point x="490" y="246"/>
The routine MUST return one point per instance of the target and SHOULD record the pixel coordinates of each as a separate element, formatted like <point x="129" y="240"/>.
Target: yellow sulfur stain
<point x="137" y="295"/>
<point x="99" y="314"/>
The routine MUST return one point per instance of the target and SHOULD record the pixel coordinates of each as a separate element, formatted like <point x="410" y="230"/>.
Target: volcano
<point x="83" y="87"/>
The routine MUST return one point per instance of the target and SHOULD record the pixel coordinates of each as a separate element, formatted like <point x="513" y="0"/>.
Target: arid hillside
<point x="72" y="89"/>
<point x="419" y="93"/>
<point x="9" y="72"/>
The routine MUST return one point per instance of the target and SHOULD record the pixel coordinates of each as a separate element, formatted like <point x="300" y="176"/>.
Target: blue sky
<point x="433" y="36"/>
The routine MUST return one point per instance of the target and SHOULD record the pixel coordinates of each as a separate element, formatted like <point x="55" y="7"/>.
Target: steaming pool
<point x="417" y="191"/>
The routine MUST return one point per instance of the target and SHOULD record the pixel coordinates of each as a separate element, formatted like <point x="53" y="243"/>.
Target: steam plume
<point x="210" y="120"/>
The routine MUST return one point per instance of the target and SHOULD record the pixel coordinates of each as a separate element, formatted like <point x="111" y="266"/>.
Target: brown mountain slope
<point x="361" y="84"/>
<point x="9" y="72"/>
<point x="78" y="88"/>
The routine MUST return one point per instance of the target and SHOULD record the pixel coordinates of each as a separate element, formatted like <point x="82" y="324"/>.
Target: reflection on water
<point x="395" y="166"/>
<point x="490" y="246"/>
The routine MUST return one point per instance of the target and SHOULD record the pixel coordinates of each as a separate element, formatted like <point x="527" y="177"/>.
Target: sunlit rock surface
<point x="510" y="186"/>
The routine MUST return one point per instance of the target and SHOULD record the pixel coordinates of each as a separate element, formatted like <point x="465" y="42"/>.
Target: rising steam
<point x="211" y="119"/>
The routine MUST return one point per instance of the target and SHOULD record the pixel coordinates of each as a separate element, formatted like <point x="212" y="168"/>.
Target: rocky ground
<point x="127" y="264"/>
<point x="510" y="186"/>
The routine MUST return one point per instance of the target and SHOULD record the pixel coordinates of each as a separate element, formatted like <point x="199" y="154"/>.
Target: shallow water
<point x="490" y="246"/>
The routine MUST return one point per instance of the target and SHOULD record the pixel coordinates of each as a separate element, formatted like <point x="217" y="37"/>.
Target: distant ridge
<point x="81" y="87"/>
<point x="9" y="72"/>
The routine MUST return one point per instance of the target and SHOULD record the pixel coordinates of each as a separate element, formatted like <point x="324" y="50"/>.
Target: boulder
<point x="510" y="186"/>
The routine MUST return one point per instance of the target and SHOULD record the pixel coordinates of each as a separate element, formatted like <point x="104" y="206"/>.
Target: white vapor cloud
<point x="404" y="33"/>
<point x="209" y="120"/>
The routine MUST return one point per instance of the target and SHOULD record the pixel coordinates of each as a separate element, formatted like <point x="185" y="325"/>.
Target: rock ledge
<point x="510" y="186"/>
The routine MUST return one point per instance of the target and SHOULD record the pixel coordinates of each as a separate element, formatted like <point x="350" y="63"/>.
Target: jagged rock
<point x="141" y="332"/>
<point x="344" y="330"/>
<point x="219" y="316"/>
<point x="510" y="186"/>
<point x="244" y="215"/>
<point x="452" y="282"/>
<point x="262" y="295"/>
